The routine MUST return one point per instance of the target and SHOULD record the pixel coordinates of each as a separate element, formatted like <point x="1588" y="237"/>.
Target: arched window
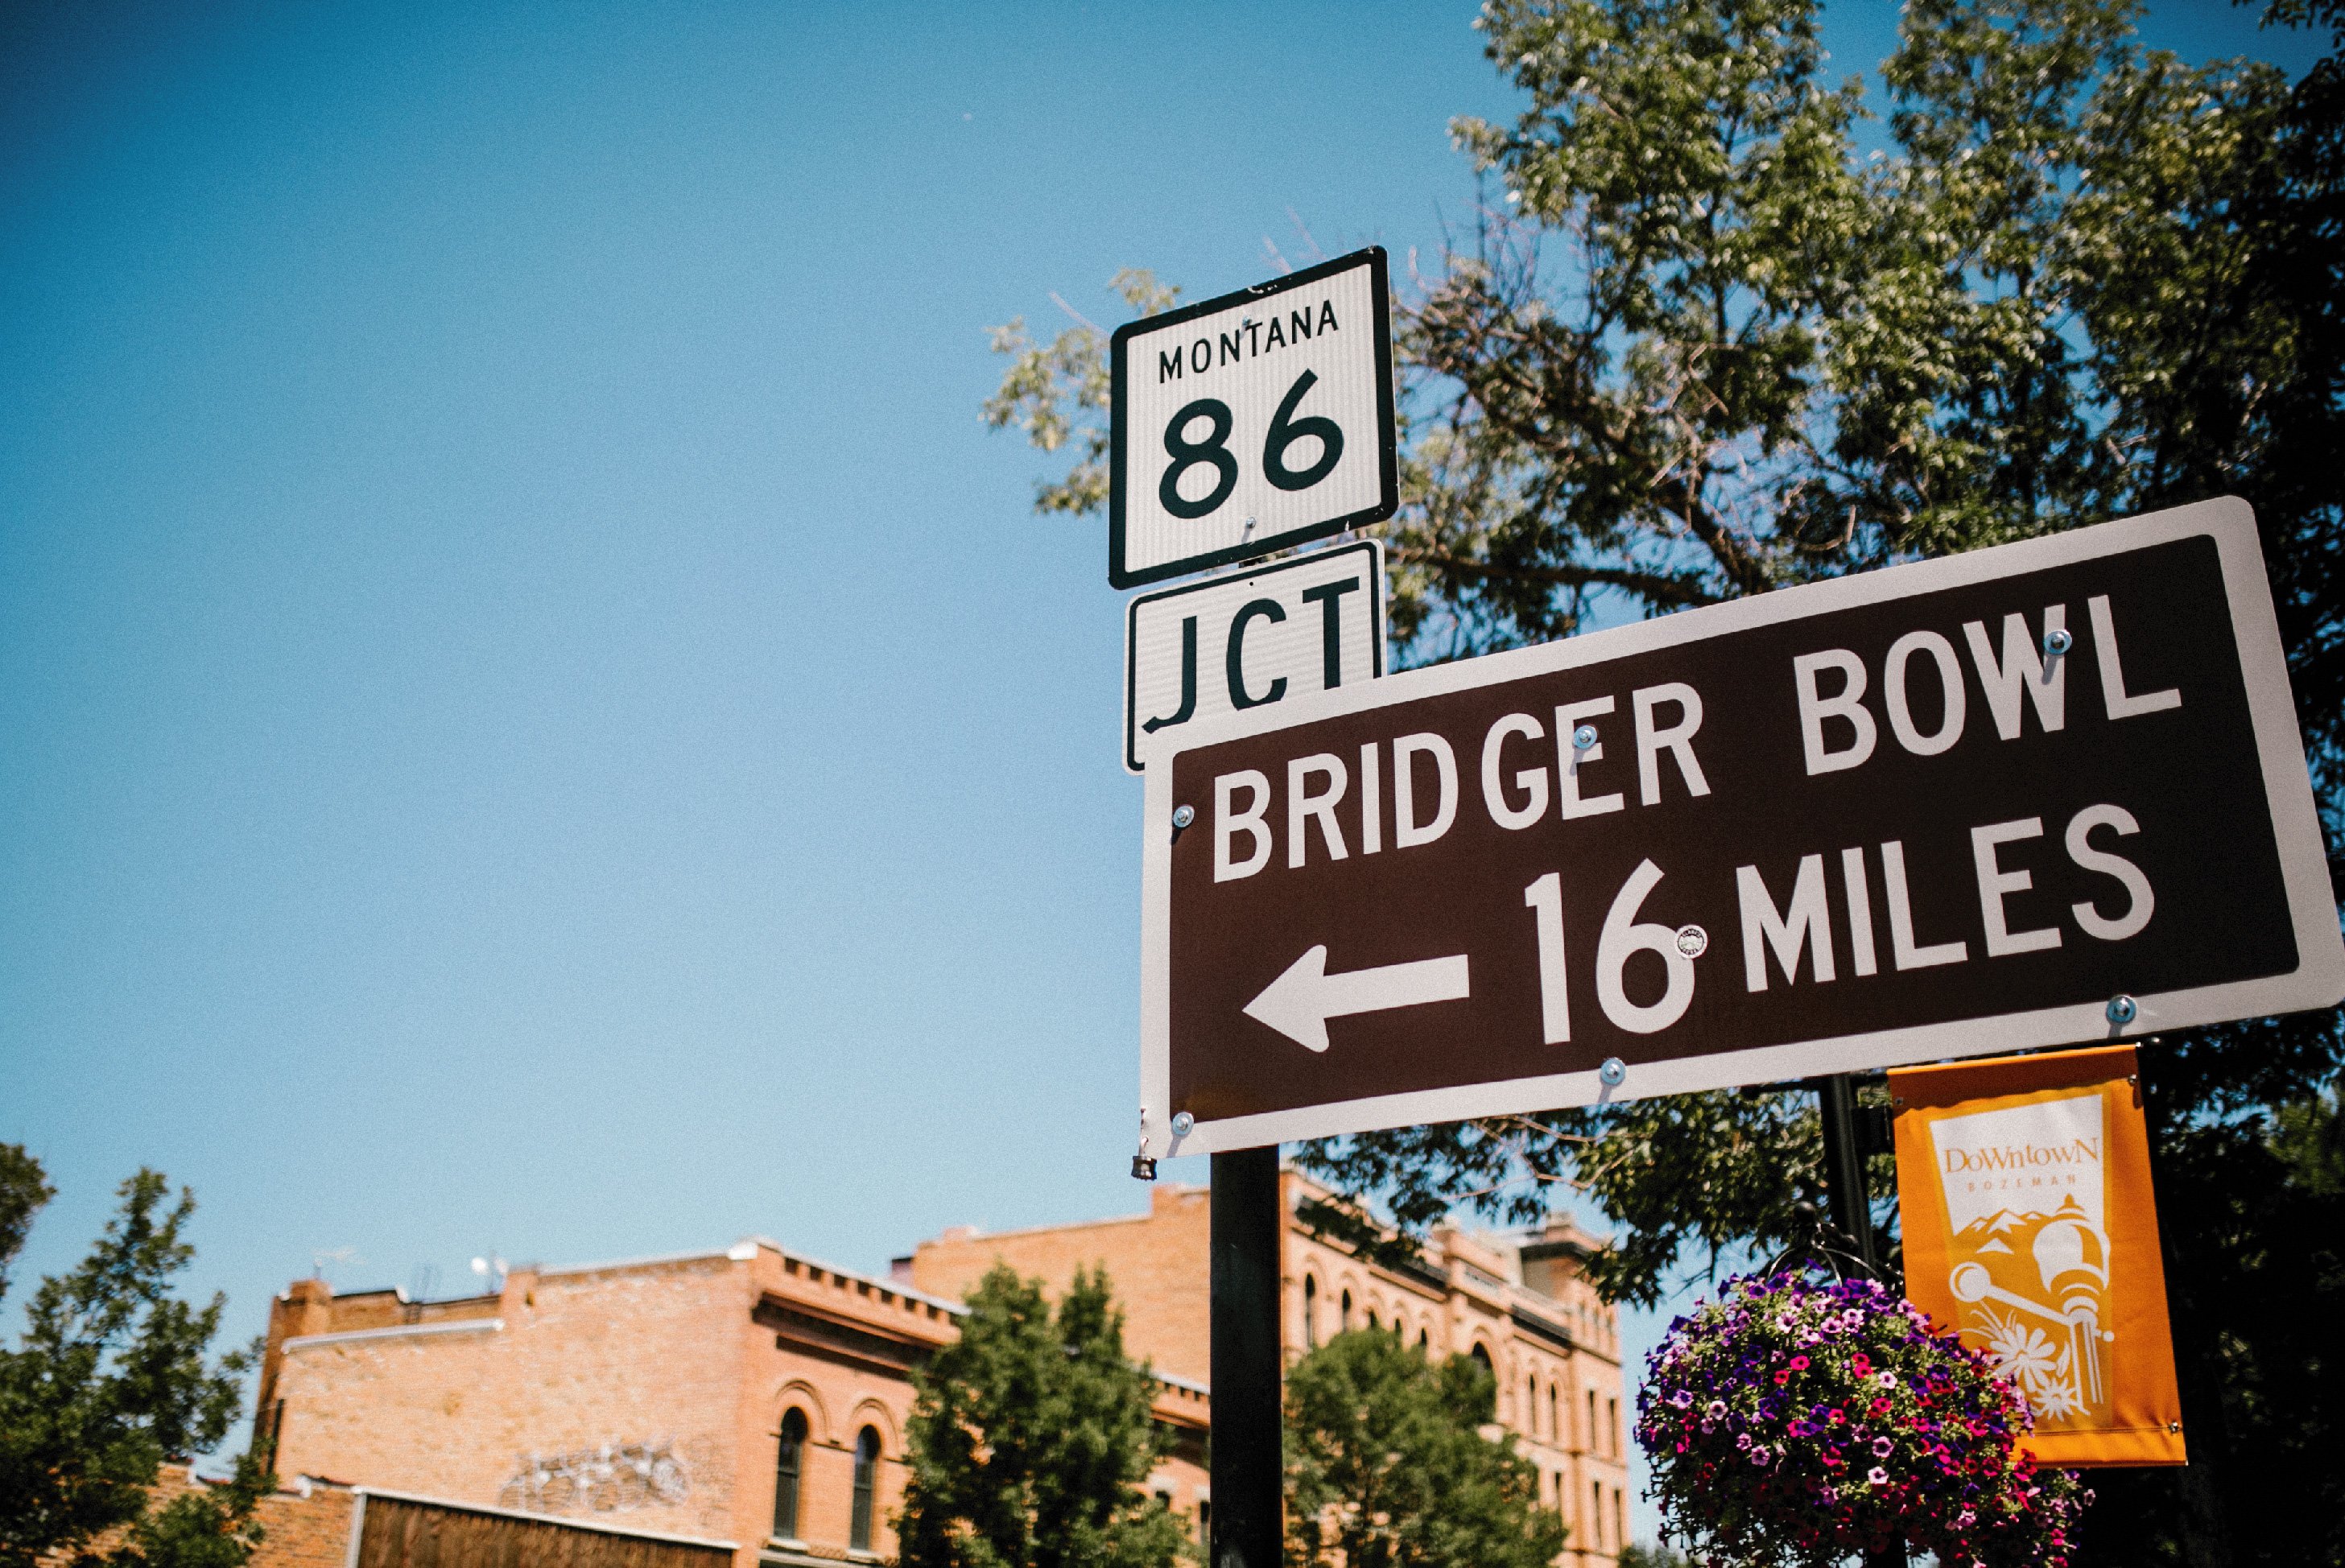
<point x="1372" y="1318"/>
<point x="789" y="1466"/>
<point x="1530" y="1403"/>
<point x="1595" y="1513"/>
<point x="1348" y="1311"/>
<point x="1482" y="1355"/>
<point x="1554" y="1432"/>
<point x="867" y="1480"/>
<point x="1310" y="1313"/>
<point x="1423" y="1342"/>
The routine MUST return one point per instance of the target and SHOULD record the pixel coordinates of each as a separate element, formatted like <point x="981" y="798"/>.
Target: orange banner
<point x="2023" y="1184"/>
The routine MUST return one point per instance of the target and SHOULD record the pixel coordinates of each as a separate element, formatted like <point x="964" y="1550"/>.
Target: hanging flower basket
<point x="1800" y="1421"/>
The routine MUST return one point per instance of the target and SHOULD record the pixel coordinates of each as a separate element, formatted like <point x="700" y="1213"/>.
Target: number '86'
<point x="1214" y="451"/>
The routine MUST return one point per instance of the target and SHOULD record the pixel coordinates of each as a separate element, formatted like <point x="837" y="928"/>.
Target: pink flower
<point x="1799" y="1364"/>
<point x="1878" y="1476"/>
<point x="1860" y="1363"/>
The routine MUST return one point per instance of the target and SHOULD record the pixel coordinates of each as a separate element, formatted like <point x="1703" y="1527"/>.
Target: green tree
<point x="1030" y="1436"/>
<point x="1702" y="348"/>
<point x="1637" y="1555"/>
<point x="1388" y="1466"/>
<point x="109" y="1379"/>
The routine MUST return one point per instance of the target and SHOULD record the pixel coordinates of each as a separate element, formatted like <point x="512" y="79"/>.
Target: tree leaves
<point x="1388" y="1465"/>
<point x="1029" y="1437"/>
<point x="109" y="1379"/>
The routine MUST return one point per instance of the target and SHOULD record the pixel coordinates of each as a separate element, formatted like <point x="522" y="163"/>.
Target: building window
<point x="1482" y="1356"/>
<point x="1423" y="1342"/>
<point x="1588" y="1434"/>
<point x="1310" y="1313"/>
<point x="1530" y="1403"/>
<point x="1596" y="1512"/>
<point x="1205" y="1521"/>
<point x="1612" y="1408"/>
<point x="1619" y="1523"/>
<point x="1372" y="1318"/>
<point x="867" y="1477"/>
<point x="1348" y="1311"/>
<point x="1554" y="1414"/>
<point x="789" y="1462"/>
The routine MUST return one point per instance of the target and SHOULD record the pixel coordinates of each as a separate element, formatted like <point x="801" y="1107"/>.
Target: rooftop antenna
<point x="485" y="1267"/>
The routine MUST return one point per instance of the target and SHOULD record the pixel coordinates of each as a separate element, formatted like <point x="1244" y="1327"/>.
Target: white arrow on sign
<point x="1299" y="1003"/>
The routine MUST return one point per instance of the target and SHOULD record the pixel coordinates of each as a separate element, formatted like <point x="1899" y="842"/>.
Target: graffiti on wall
<point x="610" y="1479"/>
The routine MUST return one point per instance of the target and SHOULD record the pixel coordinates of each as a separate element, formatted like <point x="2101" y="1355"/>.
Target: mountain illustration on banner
<point x="2028" y="1258"/>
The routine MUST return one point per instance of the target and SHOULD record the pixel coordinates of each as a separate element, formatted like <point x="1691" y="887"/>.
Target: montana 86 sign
<point x="2047" y="793"/>
<point x="1252" y="422"/>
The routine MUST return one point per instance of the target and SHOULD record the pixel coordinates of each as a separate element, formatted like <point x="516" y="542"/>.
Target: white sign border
<point x="1375" y="577"/>
<point x="2317" y="980"/>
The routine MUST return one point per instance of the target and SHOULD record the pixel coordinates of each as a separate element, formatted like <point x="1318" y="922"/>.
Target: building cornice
<point x="395" y="1331"/>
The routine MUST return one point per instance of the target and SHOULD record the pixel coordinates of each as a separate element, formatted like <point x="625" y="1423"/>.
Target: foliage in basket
<point x="1801" y="1421"/>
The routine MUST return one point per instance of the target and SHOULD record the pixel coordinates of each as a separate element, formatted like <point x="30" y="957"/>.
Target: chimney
<point x="309" y="1307"/>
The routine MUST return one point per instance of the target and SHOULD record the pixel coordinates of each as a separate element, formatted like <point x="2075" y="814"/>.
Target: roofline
<point x="560" y="1519"/>
<point x="651" y="1261"/>
<point x="1141" y="1219"/>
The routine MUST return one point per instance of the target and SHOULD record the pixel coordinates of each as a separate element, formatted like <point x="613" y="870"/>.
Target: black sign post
<point x="1248" y="1463"/>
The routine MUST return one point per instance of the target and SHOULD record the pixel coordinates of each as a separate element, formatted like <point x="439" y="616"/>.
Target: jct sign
<point x="2047" y="792"/>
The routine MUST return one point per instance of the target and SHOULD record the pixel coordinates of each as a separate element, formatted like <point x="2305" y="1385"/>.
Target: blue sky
<point x="533" y="716"/>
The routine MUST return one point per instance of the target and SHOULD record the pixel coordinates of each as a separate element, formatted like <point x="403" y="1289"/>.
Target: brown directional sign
<point x="2047" y="793"/>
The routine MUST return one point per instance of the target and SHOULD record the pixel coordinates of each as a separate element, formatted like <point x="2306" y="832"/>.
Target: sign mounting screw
<point x="2122" y="1009"/>
<point x="1183" y="1124"/>
<point x="1183" y="815"/>
<point x="1613" y="1073"/>
<point x="1584" y="738"/>
<point x="1693" y="941"/>
<point x="2057" y="640"/>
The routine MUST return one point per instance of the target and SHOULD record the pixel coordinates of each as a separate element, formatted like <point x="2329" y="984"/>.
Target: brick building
<point x="757" y="1396"/>
<point x="1521" y="1305"/>
<point x="752" y="1395"/>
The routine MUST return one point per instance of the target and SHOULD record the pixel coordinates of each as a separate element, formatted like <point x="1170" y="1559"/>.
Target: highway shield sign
<point x="1252" y="422"/>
